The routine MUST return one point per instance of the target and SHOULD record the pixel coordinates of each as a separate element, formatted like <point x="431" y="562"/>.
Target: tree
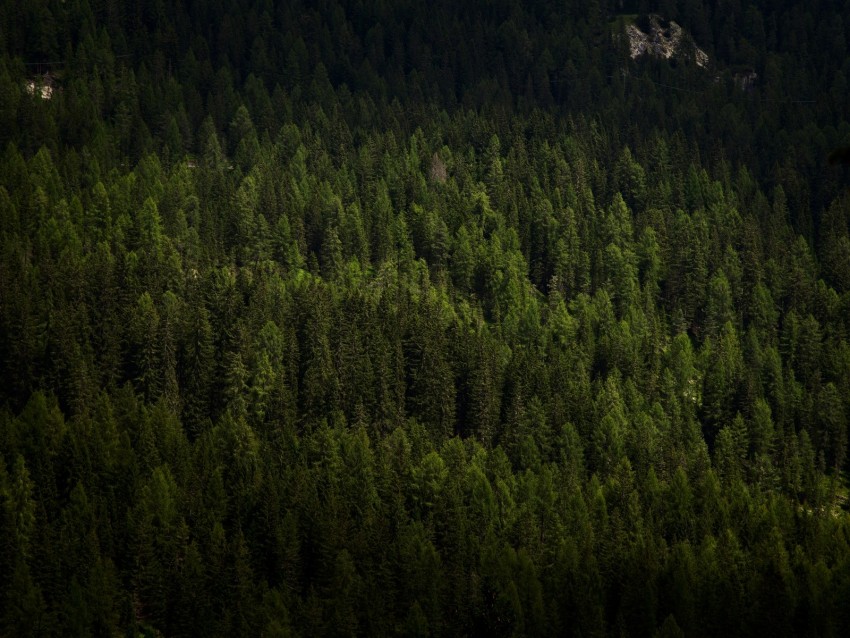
<point x="23" y="602"/>
<point x="832" y="431"/>
<point x="153" y="526"/>
<point x="722" y="379"/>
<point x="197" y="368"/>
<point x="608" y="438"/>
<point x="719" y="306"/>
<point x="144" y="337"/>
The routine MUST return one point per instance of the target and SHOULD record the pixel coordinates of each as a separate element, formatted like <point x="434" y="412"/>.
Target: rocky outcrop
<point x="42" y="86"/>
<point x="664" y="41"/>
<point x="746" y="80"/>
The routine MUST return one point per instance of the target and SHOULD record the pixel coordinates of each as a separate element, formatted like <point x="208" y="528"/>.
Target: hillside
<point x="421" y="319"/>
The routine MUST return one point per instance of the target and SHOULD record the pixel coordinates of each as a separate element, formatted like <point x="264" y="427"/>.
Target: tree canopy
<point x="408" y="318"/>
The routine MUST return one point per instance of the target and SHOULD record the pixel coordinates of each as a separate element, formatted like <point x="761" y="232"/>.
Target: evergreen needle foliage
<point x="423" y="319"/>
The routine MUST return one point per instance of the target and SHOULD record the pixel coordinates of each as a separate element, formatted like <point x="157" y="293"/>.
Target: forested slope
<point x="415" y="319"/>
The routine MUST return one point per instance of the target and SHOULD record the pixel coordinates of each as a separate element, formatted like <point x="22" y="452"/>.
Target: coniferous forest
<point x="432" y="318"/>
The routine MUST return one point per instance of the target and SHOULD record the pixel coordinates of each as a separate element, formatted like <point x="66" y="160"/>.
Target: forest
<point x="344" y="318"/>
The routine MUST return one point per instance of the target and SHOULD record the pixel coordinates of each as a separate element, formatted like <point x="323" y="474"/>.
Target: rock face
<point x="41" y="86"/>
<point x="664" y="41"/>
<point x="746" y="80"/>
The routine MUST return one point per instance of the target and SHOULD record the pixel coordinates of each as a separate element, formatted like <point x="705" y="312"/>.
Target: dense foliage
<point x="405" y="318"/>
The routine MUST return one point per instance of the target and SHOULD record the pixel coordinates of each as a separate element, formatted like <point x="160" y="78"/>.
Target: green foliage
<point x="422" y="319"/>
